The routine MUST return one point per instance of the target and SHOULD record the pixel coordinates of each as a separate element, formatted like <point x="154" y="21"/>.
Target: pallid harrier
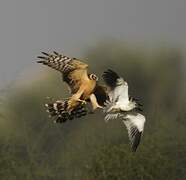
<point x="122" y="107"/>
<point x="83" y="86"/>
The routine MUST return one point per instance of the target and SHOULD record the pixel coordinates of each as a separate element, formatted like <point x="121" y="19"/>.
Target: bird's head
<point x="93" y="77"/>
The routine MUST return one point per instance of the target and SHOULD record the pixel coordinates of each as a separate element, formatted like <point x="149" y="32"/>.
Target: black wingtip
<point x="139" y="109"/>
<point x="136" y="99"/>
<point x="136" y="142"/>
<point x="46" y="54"/>
<point x="42" y="62"/>
<point x="110" y="72"/>
<point x="139" y="104"/>
<point x="56" y="53"/>
<point x="41" y="57"/>
<point x="39" y="61"/>
<point x="110" y="77"/>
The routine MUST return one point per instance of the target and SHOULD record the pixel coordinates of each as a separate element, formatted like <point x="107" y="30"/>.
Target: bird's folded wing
<point x="74" y="71"/>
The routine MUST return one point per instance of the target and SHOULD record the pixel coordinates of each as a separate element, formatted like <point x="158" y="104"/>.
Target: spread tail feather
<point x="58" y="110"/>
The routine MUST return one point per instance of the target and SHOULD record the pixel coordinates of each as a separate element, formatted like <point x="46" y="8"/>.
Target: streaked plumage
<point x="120" y="106"/>
<point x="83" y="86"/>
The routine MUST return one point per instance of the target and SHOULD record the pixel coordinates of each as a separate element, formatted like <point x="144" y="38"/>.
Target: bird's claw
<point x="101" y="107"/>
<point x="83" y="101"/>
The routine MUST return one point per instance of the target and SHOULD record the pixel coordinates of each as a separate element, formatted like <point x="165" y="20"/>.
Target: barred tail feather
<point x="58" y="110"/>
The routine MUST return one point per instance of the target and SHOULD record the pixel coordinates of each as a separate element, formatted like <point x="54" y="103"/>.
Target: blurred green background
<point x="34" y="148"/>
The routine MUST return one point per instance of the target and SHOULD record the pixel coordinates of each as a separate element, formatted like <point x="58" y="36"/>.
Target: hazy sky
<point x="30" y="26"/>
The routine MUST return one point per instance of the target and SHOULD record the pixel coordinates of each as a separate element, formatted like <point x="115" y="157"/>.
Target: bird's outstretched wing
<point x="74" y="71"/>
<point x="118" y="97"/>
<point x="117" y="87"/>
<point x="134" y="123"/>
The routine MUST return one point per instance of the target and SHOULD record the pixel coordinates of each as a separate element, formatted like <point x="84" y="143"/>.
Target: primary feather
<point x="73" y="70"/>
<point x="134" y="123"/>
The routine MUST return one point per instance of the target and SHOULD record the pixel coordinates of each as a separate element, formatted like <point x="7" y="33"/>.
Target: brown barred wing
<point x="56" y="61"/>
<point x="72" y="69"/>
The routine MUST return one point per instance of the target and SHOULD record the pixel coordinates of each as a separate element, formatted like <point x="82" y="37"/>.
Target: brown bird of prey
<point x="83" y="86"/>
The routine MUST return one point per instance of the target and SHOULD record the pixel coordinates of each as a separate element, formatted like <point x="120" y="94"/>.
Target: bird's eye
<point x="93" y="77"/>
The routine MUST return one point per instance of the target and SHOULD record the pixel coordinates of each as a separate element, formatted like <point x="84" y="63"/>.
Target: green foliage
<point x="32" y="147"/>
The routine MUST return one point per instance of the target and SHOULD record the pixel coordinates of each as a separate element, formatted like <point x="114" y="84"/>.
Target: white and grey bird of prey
<point x="121" y="106"/>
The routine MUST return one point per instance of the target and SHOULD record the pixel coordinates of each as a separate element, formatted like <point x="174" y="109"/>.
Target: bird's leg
<point x="72" y="103"/>
<point x="78" y="94"/>
<point x="82" y="101"/>
<point x="94" y="102"/>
